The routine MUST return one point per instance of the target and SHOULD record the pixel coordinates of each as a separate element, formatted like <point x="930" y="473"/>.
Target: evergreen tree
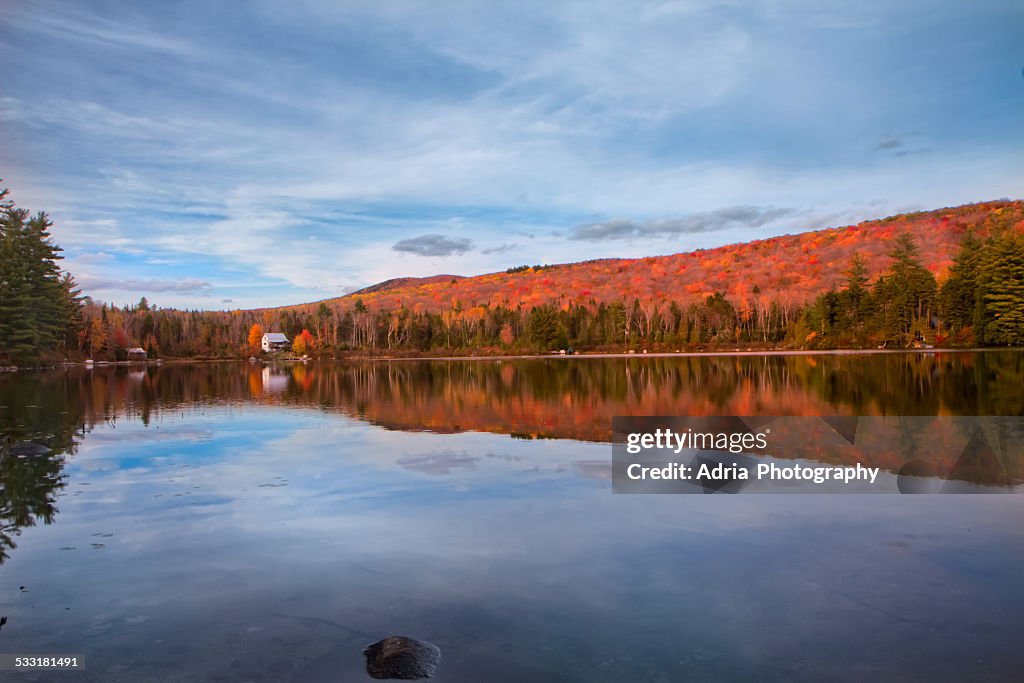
<point x="39" y="306"/>
<point x="907" y="295"/>
<point x="959" y="292"/>
<point x="544" y="327"/>
<point x="1002" y="290"/>
<point x="615" y="324"/>
<point x="71" y="302"/>
<point x="720" y="317"/>
<point x="857" y="295"/>
<point x="823" y="316"/>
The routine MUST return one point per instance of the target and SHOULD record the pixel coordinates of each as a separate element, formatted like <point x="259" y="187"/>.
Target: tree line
<point x="981" y="302"/>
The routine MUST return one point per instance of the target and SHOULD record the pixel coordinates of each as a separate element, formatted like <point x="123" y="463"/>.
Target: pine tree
<point x="71" y="302"/>
<point x="856" y="298"/>
<point x="16" y="316"/>
<point x="39" y="305"/>
<point x="959" y="292"/>
<point x="544" y="328"/>
<point x="1002" y="290"/>
<point x="907" y="295"/>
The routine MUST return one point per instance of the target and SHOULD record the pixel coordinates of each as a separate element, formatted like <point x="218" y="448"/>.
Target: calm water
<point x="250" y="523"/>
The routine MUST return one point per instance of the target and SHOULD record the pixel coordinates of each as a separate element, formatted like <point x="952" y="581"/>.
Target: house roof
<point x="136" y="350"/>
<point x="275" y="337"/>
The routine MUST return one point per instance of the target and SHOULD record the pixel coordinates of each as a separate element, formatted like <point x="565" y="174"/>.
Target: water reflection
<point x="214" y="526"/>
<point x="29" y="484"/>
<point x="40" y="419"/>
<point x="569" y="398"/>
<point x="527" y="399"/>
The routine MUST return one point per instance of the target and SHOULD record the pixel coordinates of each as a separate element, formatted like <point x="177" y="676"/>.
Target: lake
<point x="237" y="522"/>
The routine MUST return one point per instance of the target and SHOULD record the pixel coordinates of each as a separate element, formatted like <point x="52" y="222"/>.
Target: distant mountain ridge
<point x="400" y="282"/>
<point x="794" y="267"/>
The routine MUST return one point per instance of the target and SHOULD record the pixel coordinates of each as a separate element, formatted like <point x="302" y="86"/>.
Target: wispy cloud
<point x="902" y="145"/>
<point x="711" y="221"/>
<point x="94" y="257"/>
<point x="434" y="245"/>
<point x="183" y="286"/>
<point x="192" y="146"/>
<point x="61" y="21"/>
<point x="500" y="249"/>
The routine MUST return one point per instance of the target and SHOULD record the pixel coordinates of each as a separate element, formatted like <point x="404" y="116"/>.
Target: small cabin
<point x="137" y="353"/>
<point x="275" y="341"/>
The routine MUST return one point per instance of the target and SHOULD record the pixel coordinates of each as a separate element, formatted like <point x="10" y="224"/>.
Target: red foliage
<point x="794" y="267"/>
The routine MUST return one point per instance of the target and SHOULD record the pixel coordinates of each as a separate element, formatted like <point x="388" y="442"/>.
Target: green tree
<point x="71" y="302"/>
<point x="721" y="318"/>
<point x="823" y="316"/>
<point x="958" y="298"/>
<point x="907" y="296"/>
<point x="544" y="328"/>
<point x="37" y="304"/>
<point x="615" y="323"/>
<point x="1002" y="290"/>
<point x="856" y="298"/>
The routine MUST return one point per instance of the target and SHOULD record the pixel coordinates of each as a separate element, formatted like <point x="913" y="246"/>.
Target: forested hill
<point x="951" y="277"/>
<point x="405" y="283"/>
<point x="792" y="268"/>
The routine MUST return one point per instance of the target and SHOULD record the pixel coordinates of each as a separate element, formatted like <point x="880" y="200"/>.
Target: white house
<point x="274" y="341"/>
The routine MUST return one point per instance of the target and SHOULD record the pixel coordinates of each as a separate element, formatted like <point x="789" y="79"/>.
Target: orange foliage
<point x="795" y="268"/>
<point x="255" y="338"/>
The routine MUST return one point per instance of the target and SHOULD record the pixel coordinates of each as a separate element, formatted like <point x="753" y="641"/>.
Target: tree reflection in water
<point x="39" y="417"/>
<point x="573" y="398"/>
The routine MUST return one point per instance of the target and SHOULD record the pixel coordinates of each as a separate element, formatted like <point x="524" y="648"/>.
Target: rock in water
<point x="29" y="449"/>
<point x="401" y="658"/>
<point x="917" y="476"/>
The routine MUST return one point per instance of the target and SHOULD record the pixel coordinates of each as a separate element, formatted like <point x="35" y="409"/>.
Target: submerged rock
<point x="917" y="476"/>
<point x="28" y="449"/>
<point x="401" y="658"/>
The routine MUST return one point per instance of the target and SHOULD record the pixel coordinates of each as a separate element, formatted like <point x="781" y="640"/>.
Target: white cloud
<point x="532" y="119"/>
<point x="94" y="257"/>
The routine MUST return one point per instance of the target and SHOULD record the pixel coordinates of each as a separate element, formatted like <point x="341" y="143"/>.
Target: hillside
<point x="405" y="283"/>
<point x="921" y="284"/>
<point x="794" y="268"/>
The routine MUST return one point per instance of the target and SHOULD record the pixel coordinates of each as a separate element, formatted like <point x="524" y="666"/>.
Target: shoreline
<point x="686" y="354"/>
<point x="547" y="356"/>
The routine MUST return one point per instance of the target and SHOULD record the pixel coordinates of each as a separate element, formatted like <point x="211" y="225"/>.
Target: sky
<point x="216" y="155"/>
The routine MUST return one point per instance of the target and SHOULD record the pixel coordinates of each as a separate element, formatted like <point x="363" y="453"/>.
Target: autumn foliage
<point x="255" y="338"/>
<point x="303" y="342"/>
<point x="796" y="291"/>
<point x="793" y="268"/>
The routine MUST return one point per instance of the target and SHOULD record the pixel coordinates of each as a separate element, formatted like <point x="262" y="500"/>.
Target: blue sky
<point x="224" y="154"/>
